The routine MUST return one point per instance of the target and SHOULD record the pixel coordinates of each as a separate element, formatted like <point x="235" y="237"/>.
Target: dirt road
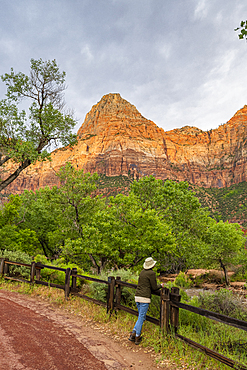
<point x="36" y="336"/>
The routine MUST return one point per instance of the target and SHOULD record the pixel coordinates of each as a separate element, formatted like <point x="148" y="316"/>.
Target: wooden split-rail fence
<point x="169" y="302"/>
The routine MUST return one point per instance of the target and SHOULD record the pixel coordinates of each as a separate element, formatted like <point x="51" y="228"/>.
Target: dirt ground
<point x="36" y="336"/>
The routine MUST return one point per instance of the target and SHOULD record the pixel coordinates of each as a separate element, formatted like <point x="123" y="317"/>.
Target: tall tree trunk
<point x="14" y="175"/>
<point x="225" y="272"/>
<point x="94" y="263"/>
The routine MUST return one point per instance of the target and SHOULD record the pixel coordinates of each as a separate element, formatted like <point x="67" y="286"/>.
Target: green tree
<point x="179" y="208"/>
<point x="224" y="243"/>
<point x="11" y="237"/>
<point x="77" y="198"/>
<point x="108" y="233"/>
<point x="41" y="213"/>
<point x="78" y="201"/>
<point x="24" y="140"/>
<point x="122" y="235"/>
<point x="60" y="214"/>
<point x="161" y="219"/>
<point x="134" y="233"/>
<point x="243" y="30"/>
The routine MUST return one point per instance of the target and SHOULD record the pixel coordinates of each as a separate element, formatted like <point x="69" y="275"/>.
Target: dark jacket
<point x="146" y="283"/>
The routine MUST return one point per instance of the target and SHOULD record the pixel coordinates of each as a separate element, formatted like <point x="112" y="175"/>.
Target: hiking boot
<point x="132" y="336"/>
<point x="138" y="340"/>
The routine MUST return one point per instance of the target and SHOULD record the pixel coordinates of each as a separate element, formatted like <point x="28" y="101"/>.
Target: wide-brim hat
<point x="149" y="263"/>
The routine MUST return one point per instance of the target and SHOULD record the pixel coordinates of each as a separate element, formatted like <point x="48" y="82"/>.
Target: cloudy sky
<point x="178" y="61"/>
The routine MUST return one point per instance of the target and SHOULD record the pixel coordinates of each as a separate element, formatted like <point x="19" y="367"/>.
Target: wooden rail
<point x="169" y="303"/>
<point x="240" y="324"/>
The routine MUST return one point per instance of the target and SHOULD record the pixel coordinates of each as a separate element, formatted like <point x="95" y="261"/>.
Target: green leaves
<point x="26" y="140"/>
<point x="11" y="237"/>
<point x="225" y="240"/>
<point x="9" y="213"/>
<point x="41" y="214"/>
<point x="131" y="233"/>
<point x="243" y="30"/>
<point x="176" y="206"/>
<point x="45" y="83"/>
<point x="55" y="127"/>
<point x="159" y="219"/>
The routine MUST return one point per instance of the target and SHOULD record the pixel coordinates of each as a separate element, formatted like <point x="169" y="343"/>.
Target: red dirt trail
<point x="30" y="341"/>
<point x="36" y="336"/>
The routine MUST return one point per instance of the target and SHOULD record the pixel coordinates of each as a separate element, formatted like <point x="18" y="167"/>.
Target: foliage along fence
<point x="169" y="303"/>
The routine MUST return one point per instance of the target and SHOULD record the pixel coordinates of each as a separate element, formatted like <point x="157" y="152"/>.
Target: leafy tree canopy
<point x="178" y="207"/>
<point x="159" y="219"/>
<point x="224" y="243"/>
<point x="77" y="198"/>
<point x="42" y="215"/>
<point x="11" y="237"/>
<point x="243" y="30"/>
<point x="26" y="138"/>
<point x="162" y="219"/>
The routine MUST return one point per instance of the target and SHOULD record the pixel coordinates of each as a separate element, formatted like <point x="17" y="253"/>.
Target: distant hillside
<point x="224" y="203"/>
<point x="113" y="185"/>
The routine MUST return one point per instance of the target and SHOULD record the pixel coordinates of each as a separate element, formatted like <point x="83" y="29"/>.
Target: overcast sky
<point x="178" y="61"/>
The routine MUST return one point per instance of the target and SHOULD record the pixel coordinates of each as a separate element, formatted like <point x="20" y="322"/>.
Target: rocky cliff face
<point x="115" y="139"/>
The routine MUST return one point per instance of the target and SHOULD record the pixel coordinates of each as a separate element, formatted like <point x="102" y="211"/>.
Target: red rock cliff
<point x="116" y="139"/>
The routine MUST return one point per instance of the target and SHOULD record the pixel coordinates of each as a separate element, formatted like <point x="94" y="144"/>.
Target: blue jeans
<point x="142" y="311"/>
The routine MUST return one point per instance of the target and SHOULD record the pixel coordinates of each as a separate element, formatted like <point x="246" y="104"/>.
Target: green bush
<point x="239" y="275"/>
<point x="183" y="281"/>
<point x="55" y="276"/>
<point x="17" y="256"/>
<point x="192" y="320"/>
<point x="184" y="295"/>
<point x="99" y="291"/>
<point x="223" y="302"/>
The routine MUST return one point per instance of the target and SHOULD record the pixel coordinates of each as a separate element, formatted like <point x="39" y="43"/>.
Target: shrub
<point x="17" y="256"/>
<point x="224" y="302"/>
<point x="183" y="281"/>
<point x="184" y="295"/>
<point x="55" y="276"/>
<point x="99" y="291"/>
<point x="190" y="319"/>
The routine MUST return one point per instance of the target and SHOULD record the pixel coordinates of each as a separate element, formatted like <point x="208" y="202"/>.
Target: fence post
<point x="118" y="290"/>
<point x="110" y="294"/>
<point x="174" y="311"/>
<point x="164" y="310"/>
<point x="6" y="266"/>
<point x="2" y="267"/>
<point x="32" y="272"/>
<point x="74" y="272"/>
<point x="38" y="273"/>
<point x="67" y="283"/>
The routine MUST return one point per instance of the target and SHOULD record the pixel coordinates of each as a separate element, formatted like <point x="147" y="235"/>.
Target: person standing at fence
<point x="146" y="284"/>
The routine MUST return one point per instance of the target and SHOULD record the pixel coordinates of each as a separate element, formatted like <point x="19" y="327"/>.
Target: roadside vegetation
<point x="74" y="226"/>
<point x="161" y="219"/>
<point x="165" y="349"/>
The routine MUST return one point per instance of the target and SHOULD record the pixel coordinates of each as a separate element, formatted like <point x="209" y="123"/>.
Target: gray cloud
<point x="179" y="62"/>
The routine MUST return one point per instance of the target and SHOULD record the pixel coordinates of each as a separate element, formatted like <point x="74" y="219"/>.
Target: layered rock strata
<point x="115" y="139"/>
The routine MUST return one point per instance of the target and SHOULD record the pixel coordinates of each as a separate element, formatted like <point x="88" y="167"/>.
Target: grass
<point x="166" y="350"/>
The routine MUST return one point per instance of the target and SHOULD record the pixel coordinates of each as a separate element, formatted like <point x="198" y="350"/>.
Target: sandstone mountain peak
<point x="115" y="139"/>
<point x="111" y="106"/>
